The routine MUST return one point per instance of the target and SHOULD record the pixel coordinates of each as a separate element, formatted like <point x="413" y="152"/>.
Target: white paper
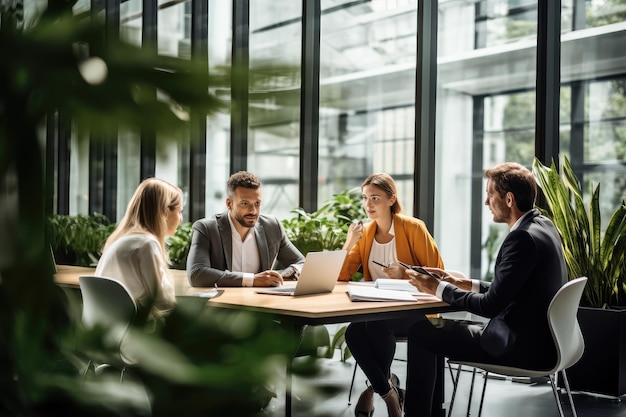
<point x="397" y="285"/>
<point x="363" y="293"/>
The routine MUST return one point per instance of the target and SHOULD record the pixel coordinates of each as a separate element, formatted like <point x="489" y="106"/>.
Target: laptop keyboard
<point x="283" y="289"/>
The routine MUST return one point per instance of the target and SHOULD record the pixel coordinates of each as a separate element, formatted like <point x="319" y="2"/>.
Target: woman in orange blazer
<point x="390" y="237"/>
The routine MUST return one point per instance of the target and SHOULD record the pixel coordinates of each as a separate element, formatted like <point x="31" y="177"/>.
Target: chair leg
<point x="455" y="384"/>
<point x="555" y="390"/>
<point x="482" y="396"/>
<point x="352" y="384"/>
<point x="471" y="393"/>
<point x="569" y="393"/>
<point x="556" y="395"/>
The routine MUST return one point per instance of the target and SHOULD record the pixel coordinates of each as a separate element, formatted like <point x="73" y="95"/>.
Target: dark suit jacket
<point x="529" y="270"/>
<point x="210" y="255"/>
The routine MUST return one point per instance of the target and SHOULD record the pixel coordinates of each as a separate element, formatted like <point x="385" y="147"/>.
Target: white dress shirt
<point x="245" y="254"/>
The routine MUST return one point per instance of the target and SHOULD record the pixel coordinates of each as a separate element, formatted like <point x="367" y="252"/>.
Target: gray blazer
<point x="210" y="256"/>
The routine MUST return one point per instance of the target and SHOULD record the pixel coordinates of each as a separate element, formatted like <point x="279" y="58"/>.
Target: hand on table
<point x="289" y="273"/>
<point x="269" y="278"/>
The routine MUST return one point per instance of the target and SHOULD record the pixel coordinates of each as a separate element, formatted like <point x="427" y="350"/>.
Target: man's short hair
<point x="517" y="179"/>
<point x="242" y="179"/>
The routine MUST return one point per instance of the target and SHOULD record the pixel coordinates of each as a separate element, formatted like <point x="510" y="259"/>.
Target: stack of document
<point x="397" y="285"/>
<point x="371" y="293"/>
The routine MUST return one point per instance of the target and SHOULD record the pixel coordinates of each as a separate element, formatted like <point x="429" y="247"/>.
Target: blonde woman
<point x="135" y="253"/>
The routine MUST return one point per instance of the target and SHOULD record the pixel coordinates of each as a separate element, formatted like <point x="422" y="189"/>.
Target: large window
<point x="485" y="105"/>
<point x="485" y="116"/>
<point x="367" y="88"/>
<point x="274" y="110"/>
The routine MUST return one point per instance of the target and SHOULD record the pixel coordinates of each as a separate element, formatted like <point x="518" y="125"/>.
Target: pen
<point x="405" y="265"/>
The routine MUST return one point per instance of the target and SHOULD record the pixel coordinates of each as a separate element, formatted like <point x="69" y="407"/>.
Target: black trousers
<point x="431" y="339"/>
<point x="427" y="340"/>
<point x="373" y="345"/>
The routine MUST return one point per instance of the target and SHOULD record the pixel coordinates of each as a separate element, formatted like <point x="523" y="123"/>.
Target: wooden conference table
<point x="331" y="308"/>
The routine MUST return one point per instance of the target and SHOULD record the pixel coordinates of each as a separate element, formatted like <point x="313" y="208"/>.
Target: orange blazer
<point x="414" y="246"/>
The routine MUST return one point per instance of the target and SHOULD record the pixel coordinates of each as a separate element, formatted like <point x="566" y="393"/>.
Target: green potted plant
<point x="600" y="255"/>
<point x="78" y="239"/>
<point x="327" y="227"/>
<point x="178" y="245"/>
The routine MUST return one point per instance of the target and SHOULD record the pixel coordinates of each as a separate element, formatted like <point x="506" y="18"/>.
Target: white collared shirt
<point x="245" y="256"/>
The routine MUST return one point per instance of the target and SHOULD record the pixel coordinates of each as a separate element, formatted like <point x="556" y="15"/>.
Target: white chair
<point x="568" y="339"/>
<point x="108" y="304"/>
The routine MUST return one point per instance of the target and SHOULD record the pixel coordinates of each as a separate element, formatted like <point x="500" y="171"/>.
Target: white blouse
<point x="134" y="260"/>
<point x="384" y="253"/>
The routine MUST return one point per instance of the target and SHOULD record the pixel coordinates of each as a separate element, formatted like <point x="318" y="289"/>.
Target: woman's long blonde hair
<point x="147" y="212"/>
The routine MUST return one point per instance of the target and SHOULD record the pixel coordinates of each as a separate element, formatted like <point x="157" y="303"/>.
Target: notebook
<point x="363" y="293"/>
<point x="319" y="275"/>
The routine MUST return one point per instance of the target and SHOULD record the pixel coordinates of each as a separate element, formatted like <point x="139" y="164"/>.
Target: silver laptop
<point x="319" y="275"/>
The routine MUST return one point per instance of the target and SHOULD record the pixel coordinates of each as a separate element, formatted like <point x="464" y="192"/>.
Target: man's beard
<point x="242" y="220"/>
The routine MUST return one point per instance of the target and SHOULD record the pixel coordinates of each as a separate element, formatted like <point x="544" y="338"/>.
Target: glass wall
<point x="594" y="89"/>
<point x="486" y="70"/>
<point x="218" y="126"/>
<point x="485" y="111"/>
<point x="485" y="116"/>
<point x="274" y="109"/>
<point x="367" y="94"/>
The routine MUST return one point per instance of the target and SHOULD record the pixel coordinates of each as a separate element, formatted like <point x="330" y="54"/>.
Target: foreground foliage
<point x="200" y="361"/>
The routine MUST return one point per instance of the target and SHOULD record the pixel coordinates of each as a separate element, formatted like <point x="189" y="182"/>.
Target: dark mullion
<point x="197" y="147"/>
<point x="109" y="151"/>
<point x="95" y="174"/>
<point x="240" y="86"/>
<point x="477" y="190"/>
<point x="94" y="204"/>
<point x="149" y="30"/>
<point x="577" y="130"/>
<point x="51" y="162"/>
<point x="579" y="17"/>
<point x="548" y="80"/>
<point x="425" y="104"/>
<point x="109" y="198"/>
<point x="64" y="134"/>
<point x="309" y="104"/>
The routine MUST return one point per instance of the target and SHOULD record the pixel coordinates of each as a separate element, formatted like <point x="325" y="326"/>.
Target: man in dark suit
<point x="529" y="270"/>
<point x="240" y="246"/>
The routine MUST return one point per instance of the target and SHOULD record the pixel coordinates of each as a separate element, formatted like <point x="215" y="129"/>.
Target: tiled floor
<point x="327" y="395"/>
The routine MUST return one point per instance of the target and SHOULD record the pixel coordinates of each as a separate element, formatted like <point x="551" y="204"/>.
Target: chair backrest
<point x="563" y="321"/>
<point x="107" y="303"/>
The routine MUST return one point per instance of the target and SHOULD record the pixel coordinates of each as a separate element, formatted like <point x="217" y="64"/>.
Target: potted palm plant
<point x="600" y="255"/>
